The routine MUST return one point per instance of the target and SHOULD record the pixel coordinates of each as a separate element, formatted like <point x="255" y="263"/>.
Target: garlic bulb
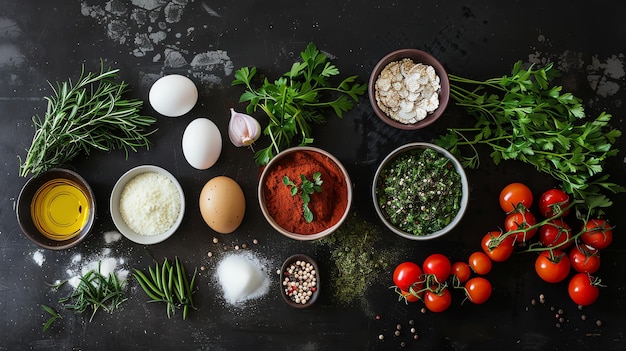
<point x="243" y="130"/>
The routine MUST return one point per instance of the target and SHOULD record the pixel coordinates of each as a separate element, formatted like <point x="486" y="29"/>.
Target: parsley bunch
<point x="297" y="99"/>
<point x="527" y="118"/>
<point x="307" y="188"/>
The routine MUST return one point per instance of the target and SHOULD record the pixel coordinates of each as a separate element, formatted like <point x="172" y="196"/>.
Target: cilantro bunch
<point x="525" y="117"/>
<point x="297" y="99"/>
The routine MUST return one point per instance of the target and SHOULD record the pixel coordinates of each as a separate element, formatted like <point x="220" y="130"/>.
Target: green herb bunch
<point x="307" y="188"/>
<point x="169" y="284"/>
<point x="94" y="291"/>
<point x="89" y="114"/>
<point x="297" y="99"/>
<point x="526" y="117"/>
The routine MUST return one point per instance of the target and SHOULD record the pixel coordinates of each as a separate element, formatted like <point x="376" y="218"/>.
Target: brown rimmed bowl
<point x="418" y="56"/>
<point x="286" y="158"/>
<point x="314" y="294"/>
<point x="25" y="212"/>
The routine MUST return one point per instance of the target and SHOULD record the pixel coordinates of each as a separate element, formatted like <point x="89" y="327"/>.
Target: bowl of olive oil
<point x="56" y="209"/>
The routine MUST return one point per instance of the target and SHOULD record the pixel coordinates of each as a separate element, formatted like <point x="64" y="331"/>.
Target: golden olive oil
<point x="60" y="209"/>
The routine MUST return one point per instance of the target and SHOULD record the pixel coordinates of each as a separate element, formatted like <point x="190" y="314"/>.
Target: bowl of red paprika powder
<point x="305" y="193"/>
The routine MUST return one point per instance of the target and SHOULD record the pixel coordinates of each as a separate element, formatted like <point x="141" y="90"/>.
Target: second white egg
<point x="202" y="143"/>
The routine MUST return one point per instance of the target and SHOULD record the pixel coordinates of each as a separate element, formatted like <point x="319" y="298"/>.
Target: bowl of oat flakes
<point x="409" y="89"/>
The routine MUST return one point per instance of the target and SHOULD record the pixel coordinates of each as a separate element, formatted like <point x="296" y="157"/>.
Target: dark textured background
<point x="49" y="41"/>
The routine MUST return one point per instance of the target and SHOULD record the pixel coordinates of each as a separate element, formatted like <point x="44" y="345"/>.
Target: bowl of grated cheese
<point x="147" y="204"/>
<point x="409" y="89"/>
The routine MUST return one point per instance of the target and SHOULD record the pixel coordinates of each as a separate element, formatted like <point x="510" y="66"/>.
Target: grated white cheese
<point x="150" y="203"/>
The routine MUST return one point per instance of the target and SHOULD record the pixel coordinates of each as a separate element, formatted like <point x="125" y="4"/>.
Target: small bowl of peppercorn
<point x="420" y="191"/>
<point x="409" y="89"/>
<point x="299" y="281"/>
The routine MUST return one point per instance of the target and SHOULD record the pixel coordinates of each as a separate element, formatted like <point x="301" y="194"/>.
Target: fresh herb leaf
<point x="525" y="117"/>
<point x="83" y="116"/>
<point x="307" y="188"/>
<point x="54" y="315"/>
<point x="296" y="100"/>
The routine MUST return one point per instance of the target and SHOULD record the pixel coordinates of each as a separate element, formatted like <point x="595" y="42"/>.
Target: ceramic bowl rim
<point x="418" y="56"/>
<point x="272" y="222"/>
<point x="315" y="294"/>
<point x="23" y="213"/>
<point x="464" y="186"/>
<point x="116" y="192"/>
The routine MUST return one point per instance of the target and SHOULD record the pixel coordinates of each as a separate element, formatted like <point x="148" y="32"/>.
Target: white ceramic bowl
<point x="464" y="189"/>
<point x="117" y="216"/>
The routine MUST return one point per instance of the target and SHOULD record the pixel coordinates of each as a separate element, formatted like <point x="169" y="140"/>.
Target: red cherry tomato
<point x="407" y="274"/>
<point x="518" y="220"/>
<point x="583" y="289"/>
<point x="438" y="265"/>
<point x="515" y="195"/>
<point x="553" y="202"/>
<point x="584" y="259"/>
<point x="552" y="268"/>
<point x="461" y="271"/>
<point x="480" y="263"/>
<point x="478" y="290"/>
<point x="438" y="301"/>
<point x="501" y="251"/>
<point x="555" y="233"/>
<point x="598" y="234"/>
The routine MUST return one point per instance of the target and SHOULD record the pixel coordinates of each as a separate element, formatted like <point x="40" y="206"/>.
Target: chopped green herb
<point x="358" y="259"/>
<point x="419" y="191"/>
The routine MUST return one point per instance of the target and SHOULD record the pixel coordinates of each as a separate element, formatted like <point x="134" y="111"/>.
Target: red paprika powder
<point x="328" y="206"/>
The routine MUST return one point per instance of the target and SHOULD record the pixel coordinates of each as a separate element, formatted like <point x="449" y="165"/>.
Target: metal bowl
<point x="117" y="216"/>
<point x="65" y="229"/>
<point x="417" y="56"/>
<point x="287" y="155"/>
<point x="464" y="188"/>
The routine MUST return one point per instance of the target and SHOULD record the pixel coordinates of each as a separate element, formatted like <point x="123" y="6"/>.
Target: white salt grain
<point x="112" y="236"/>
<point x="242" y="277"/>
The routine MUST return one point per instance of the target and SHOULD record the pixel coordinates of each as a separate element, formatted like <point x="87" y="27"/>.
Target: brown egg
<point x="222" y="204"/>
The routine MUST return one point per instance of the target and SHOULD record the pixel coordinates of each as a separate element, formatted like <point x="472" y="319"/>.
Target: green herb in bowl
<point x="420" y="191"/>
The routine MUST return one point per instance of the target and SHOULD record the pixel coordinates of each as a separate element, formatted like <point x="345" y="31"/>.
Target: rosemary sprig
<point x="54" y="315"/>
<point x="89" y="114"/>
<point x="95" y="291"/>
<point x="169" y="284"/>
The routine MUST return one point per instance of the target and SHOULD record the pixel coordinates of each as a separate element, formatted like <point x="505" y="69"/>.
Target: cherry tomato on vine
<point x="438" y="301"/>
<point x="554" y="267"/>
<point x="498" y="251"/>
<point x="438" y="265"/>
<point x="408" y="297"/>
<point x="584" y="259"/>
<point x="514" y="195"/>
<point x="461" y="271"/>
<point x="407" y="274"/>
<point x="555" y="233"/>
<point x="553" y="202"/>
<point x="478" y="290"/>
<point x="583" y="289"/>
<point x="480" y="263"/>
<point x="518" y="220"/>
<point x="598" y="234"/>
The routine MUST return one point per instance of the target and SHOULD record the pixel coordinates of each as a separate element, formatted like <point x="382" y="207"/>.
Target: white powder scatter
<point x="210" y="60"/>
<point x="76" y="258"/>
<point x="103" y="263"/>
<point x="38" y="257"/>
<point x="174" y="59"/>
<point x="209" y="10"/>
<point x="242" y="277"/>
<point x="112" y="236"/>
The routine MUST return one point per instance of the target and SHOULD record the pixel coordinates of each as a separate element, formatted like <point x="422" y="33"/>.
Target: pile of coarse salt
<point x="242" y="277"/>
<point x="103" y="263"/>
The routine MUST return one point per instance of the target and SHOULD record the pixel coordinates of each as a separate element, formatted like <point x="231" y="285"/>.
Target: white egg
<point x="202" y="143"/>
<point x="173" y="95"/>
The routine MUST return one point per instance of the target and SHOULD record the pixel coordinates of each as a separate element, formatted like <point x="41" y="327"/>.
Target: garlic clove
<point x="243" y="130"/>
